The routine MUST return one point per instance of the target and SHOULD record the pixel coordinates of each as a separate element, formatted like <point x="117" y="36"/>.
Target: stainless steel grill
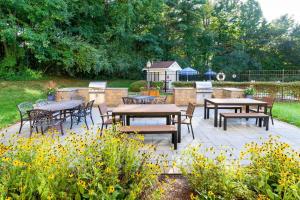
<point x="97" y="92"/>
<point x="203" y="90"/>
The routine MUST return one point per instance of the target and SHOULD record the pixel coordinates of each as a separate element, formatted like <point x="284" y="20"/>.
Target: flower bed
<point x="79" y="167"/>
<point x="273" y="172"/>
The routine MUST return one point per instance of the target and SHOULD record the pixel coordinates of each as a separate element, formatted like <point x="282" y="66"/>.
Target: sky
<point x="273" y="9"/>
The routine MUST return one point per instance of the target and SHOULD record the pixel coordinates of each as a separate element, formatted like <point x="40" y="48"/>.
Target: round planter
<point x="51" y="97"/>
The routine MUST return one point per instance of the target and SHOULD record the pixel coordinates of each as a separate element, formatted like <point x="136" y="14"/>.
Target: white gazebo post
<point x="148" y="65"/>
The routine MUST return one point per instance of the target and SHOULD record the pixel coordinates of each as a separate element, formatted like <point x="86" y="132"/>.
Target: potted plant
<point x="249" y="92"/>
<point x="51" y="90"/>
<point x="144" y="91"/>
<point x="154" y="91"/>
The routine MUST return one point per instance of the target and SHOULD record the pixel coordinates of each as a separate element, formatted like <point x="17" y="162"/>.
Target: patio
<point x="238" y="134"/>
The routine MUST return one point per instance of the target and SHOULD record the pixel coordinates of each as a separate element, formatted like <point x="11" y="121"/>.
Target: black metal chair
<point x="159" y="100"/>
<point x="43" y="118"/>
<point x="82" y="112"/>
<point x="23" y="108"/>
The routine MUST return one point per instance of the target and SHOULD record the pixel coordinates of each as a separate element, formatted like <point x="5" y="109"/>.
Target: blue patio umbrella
<point x="188" y="71"/>
<point x="210" y="74"/>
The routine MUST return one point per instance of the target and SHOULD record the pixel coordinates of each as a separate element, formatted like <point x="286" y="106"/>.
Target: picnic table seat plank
<point x="259" y="116"/>
<point x="152" y="129"/>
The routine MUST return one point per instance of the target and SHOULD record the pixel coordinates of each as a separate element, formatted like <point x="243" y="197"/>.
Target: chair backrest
<point x="269" y="100"/>
<point x="190" y="110"/>
<point x="127" y="100"/>
<point x="89" y="105"/>
<point x="103" y="111"/>
<point x="38" y="115"/>
<point x="159" y="100"/>
<point x="24" y="107"/>
<point x="41" y="102"/>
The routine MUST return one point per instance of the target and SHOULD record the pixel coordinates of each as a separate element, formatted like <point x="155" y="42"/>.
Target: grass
<point x="14" y="92"/>
<point x="288" y="112"/>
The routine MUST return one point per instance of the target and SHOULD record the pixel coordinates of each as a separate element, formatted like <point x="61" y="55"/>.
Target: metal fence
<point x="246" y="76"/>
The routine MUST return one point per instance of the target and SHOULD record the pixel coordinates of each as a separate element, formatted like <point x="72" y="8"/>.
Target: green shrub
<point x="137" y="85"/>
<point x="23" y="75"/>
<point x="249" y="91"/>
<point x="157" y="84"/>
<point x="183" y="84"/>
<point x="81" y="167"/>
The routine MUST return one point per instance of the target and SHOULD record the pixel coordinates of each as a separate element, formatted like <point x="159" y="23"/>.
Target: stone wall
<point x="228" y="93"/>
<point x="184" y="96"/>
<point x="113" y="96"/>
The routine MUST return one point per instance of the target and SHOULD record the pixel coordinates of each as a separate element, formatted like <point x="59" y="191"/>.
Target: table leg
<point x="168" y="120"/>
<point x="216" y="116"/>
<point x="179" y="127"/>
<point x="127" y="117"/>
<point x="247" y="111"/>
<point x="205" y="105"/>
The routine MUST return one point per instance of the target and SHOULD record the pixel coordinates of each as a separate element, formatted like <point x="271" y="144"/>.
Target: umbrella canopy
<point x="188" y="71"/>
<point x="210" y="73"/>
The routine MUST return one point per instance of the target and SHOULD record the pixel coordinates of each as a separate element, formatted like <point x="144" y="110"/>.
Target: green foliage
<point x="137" y="85"/>
<point x="249" y="91"/>
<point x="81" y="167"/>
<point x="272" y="172"/>
<point x="116" y="38"/>
<point x="183" y="84"/>
<point x="157" y="84"/>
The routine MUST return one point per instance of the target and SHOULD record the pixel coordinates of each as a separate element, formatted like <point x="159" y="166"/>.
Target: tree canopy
<point x="116" y="37"/>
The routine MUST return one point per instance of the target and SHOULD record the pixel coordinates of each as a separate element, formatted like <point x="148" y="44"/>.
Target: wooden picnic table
<point x="233" y="102"/>
<point x="149" y="110"/>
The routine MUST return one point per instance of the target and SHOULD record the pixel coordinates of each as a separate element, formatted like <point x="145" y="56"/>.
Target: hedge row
<point x="269" y="87"/>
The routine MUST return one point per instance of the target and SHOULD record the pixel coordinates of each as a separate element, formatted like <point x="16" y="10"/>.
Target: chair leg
<point x="71" y="122"/>
<point x="207" y="113"/>
<point x="91" y="118"/>
<point x="192" y="131"/>
<point x="101" y="129"/>
<point x="42" y="130"/>
<point x="188" y="128"/>
<point x="61" y="129"/>
<point x="78" y="120"/>
<point x="271" y="115"/>
<point x="86" y="123"/>
<point x="36" y="129"/>
<point x="21" y="125"/>
<point x="30" y="130"/>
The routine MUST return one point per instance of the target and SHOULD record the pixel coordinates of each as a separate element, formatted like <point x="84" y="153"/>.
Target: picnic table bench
<point x="223" y="107"/>
<point x="152" y="129"/>
<point x="260" y="116"/>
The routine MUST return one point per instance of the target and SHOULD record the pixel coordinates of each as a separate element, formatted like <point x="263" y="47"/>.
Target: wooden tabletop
<point x="60" y="105"/>
<point x="147" y="109"/>
<point x="235" y="101"/>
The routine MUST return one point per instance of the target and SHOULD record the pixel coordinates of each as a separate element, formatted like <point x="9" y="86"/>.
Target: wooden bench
<point x="260" y="116"/>
<point x="152" y="129"/>
<point x="224" y="107"/>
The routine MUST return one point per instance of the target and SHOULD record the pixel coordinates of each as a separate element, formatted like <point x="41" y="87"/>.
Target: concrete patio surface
<point x="239" y="132"/>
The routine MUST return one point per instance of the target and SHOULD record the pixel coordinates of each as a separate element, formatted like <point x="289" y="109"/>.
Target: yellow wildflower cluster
<point x="86" y="165"/>
<point x="273" y="170"/>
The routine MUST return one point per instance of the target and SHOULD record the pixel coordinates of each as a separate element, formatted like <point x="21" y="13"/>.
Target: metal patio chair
<point x="42" y="118"/>
<point x="23" y="108"/>
<point x="82" y="112"/>
<point x="106" y="117"/>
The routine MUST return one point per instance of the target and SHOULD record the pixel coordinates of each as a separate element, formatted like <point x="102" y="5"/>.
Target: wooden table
<point x="232" y="101"/>
<point x="149" y="110"/>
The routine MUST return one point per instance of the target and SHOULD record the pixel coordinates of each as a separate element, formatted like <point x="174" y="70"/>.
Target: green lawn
<point x="288" y="112"/>
<point x="14" y="92"/>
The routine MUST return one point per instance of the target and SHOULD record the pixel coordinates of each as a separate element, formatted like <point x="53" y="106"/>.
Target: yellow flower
<point x="51" y="177"/>
<point x="111" y="189"/>
<point x="5" y="159"/>
<point x="91" y="192"/>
